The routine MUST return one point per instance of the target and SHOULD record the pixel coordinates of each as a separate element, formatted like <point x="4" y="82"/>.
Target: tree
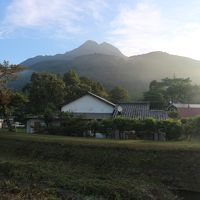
<point x="71" y="78"/>
<point x="95" y="86"/>
<point x="188" y="128"/>
<point x="7" y="97"/>
<point x="19" y="102"/>
<point x="176" y="90"/>
<point x="8" y="72"/>
<point x="75" y="91"/>
<point x="49" y="114"/>
<point x="77" y="86"/>
<point x="118" y="94"/>
<point x="43" y="91"/>
<point x="191" y="127"/>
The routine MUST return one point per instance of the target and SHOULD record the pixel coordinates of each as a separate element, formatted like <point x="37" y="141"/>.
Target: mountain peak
<point x="90" y="42"/>
<point x="91" y="47"/>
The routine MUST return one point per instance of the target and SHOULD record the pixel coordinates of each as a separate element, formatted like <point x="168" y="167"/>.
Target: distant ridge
<point x="88" y="48"/>
<point x="92" y="47"/>
<point x="105" y="63"/>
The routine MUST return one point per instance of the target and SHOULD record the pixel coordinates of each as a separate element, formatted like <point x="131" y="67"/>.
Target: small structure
<point x="185" y="110"/>
<point x="1" y="123"/>
<point x="34" y="123"/>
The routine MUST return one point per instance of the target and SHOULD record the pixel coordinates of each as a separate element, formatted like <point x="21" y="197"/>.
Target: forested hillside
<point x="106" y="64"/>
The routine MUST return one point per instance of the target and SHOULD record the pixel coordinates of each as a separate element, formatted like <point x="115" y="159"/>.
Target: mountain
<point x="91" y="47"/>
<point x="88" y="48"/>
<point x="105" y="63"/>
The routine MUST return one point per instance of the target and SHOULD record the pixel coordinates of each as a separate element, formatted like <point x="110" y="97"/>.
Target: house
<point x="91" y="106"/>
<point x="185" y="110"/>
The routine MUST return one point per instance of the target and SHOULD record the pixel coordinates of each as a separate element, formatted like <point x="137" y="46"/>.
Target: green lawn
<point x="57" y="167"/>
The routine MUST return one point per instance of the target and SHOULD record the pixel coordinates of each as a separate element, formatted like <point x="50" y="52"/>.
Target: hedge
<point x="76" y="126"/>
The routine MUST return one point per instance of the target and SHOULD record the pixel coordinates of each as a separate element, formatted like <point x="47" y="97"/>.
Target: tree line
<point x="174" y="90"/>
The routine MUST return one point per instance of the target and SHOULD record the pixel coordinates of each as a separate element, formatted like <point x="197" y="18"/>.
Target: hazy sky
<point x="32" y="27"/>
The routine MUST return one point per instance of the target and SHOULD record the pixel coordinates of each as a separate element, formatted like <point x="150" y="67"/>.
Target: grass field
<point x="56" y="167"/>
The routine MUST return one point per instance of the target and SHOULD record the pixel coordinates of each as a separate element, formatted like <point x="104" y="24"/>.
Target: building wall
<point x="1" y="123"/>
<point x="88" y="104"/>
<point x="188" y="112"/>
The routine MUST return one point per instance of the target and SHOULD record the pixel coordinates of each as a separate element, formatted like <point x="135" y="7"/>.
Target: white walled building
<point x="90" y="106"/>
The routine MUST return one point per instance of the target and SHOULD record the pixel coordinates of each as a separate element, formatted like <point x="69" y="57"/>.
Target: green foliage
<point x="70" y="126"/>
<point x="123" y="124"/>
<point x="71" y="78"/>
<point x="77" y="86"/>
<point x="107" y="126"/>
<point x="95" y="87"/>
<point x="94" y="126"/>
<point x="174" y="114"/>
<point x="172" y="90"/>
<point x="75" y="91"/>
<point x="8" y="72"/>
<point x="188" y="127"/>
<point x="44" y="89"/>
<point x="119" y="94"/>
<point x="191" y="127"/>
<point x="74" y="87"/>
<point x="10" y="102"/>
<point x="172" y="128"/>
<point x="49" y="113"/>
<point x="178" y="89"/>
<point x="150" y="124"/>
<point x="19" y="106"/>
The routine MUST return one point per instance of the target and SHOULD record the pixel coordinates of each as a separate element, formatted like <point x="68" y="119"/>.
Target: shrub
<point x="174" y="115"/>
<point x="70" y="126"/>
<point x="150" y="124"/>
<point x="172" y="128"/>
<point x="191" y="127"/>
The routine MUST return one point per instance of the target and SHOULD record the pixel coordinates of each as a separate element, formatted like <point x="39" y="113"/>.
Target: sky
<point x="42" y="27"/>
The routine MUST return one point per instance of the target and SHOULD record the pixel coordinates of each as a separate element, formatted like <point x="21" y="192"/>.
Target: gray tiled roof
<point x="140" y="111"/>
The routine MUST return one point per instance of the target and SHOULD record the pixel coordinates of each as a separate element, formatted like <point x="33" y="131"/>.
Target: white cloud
<point x="61" y="16"/>
<point x="96" y="7"/>
<point x="43" y="14"/>
<point x="143" y="28"/>
<point x="133" y="27"/>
